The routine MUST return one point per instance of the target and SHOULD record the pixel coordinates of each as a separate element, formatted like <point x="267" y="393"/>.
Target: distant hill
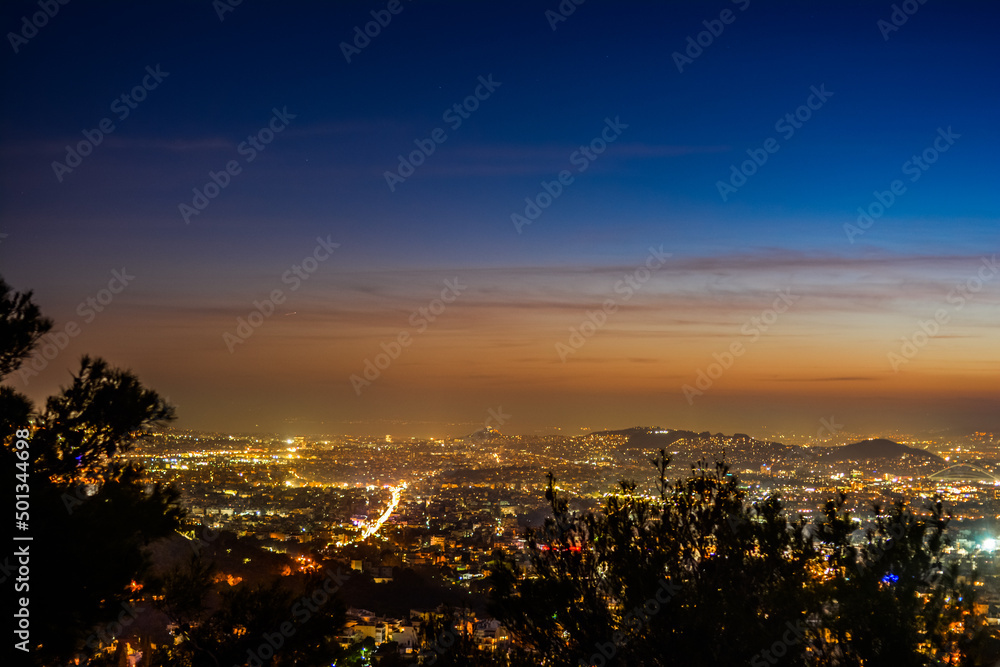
<point x="484" y="434"/>
<point x="688" y="446"/>
<point x="642" y="437"/>
<point x="743" y="450"/>
<point x="875" y="448"/>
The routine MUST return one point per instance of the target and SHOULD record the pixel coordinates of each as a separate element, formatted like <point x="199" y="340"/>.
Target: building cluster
<point x="436" y="511"/>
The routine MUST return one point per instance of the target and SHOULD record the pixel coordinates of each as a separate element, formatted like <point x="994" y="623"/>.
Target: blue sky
<point x="655" y="184"/>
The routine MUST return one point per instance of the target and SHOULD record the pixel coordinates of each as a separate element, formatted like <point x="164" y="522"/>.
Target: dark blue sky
<point x="655" y="184"/>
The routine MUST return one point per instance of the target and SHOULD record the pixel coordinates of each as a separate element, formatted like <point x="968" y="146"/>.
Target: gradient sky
<point x="495" y="346"/>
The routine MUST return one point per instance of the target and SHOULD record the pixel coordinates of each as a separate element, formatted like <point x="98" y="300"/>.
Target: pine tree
<point x="92" y="515"/>
<point x="697" y="575"/>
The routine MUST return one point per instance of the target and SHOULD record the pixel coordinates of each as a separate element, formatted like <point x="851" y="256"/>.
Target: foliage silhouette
<point x="698" y="575"/>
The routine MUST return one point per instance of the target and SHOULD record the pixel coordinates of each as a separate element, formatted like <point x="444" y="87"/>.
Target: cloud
<point x="461" y="159"/>
<point x="690" y="297"/>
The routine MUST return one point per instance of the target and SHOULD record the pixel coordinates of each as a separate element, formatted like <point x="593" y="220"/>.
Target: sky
<point x="545" y="217"/>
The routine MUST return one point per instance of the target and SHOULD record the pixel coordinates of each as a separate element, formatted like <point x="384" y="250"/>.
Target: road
<point x="374" y="526"/>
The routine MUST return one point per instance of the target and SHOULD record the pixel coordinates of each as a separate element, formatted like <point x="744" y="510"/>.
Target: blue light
<point x="890" y="578"/>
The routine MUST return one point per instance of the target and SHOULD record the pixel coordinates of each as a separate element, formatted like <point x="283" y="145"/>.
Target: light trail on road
<point x="373" y="527"/>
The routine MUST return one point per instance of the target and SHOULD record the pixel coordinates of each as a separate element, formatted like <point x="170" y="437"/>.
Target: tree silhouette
<point x="98" y="417"/>
<point x="93" y="517"/>
<point x="21" y="327"/>
<point x="894" y="602"/>
<point x="91" y="514"/>
<point x="697" y="575"/>
<point x="279" y="622"/>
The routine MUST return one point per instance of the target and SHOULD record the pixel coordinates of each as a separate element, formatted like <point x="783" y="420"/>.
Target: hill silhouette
<point x="875" y="448"/>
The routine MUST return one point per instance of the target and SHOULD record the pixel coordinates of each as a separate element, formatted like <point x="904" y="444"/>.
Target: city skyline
<point x="696" y="257"/>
